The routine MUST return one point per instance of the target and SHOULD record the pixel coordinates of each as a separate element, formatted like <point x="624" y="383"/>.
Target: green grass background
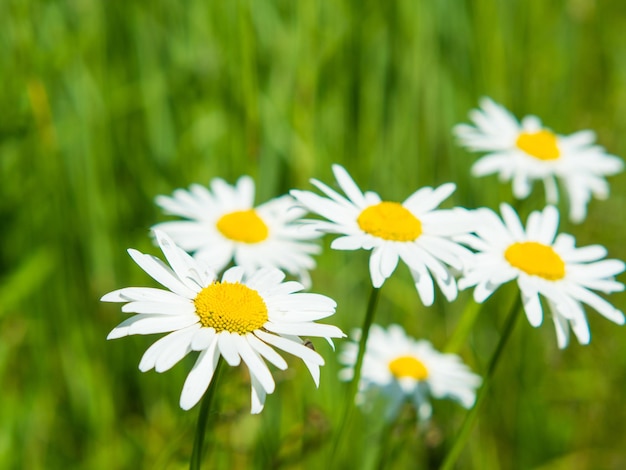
<point x="105" y="105"/>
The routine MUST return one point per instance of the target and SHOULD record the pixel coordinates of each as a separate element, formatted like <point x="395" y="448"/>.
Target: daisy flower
<point x="240" y="317"/>
<point x="413" y="231"/>
<point x="528" y="151"/>
<point x="403" y="368"/>
<point x="225" y="226"/>
<point x="544" y="264"/>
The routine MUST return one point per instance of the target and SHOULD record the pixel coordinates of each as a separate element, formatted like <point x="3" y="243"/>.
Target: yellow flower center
<point x="231" y="306"/>
<point x="390" y="221"/>
<point x="408" y="366"/>
<point x="536" y="259"/>
<point x="243" y="226"/>
<point x="541" y="145"/>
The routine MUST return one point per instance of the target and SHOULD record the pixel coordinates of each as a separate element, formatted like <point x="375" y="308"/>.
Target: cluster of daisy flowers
<point x="226" y="295"/>
<point x="248" y="312"/>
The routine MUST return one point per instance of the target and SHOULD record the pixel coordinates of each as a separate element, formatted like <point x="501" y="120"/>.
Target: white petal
<point x="145" y="324"/>
<point x="375" y="272"/>
<point x="200" y="377"/>
<point x="175" y="340"/>
<point x="256" y="366"/>
<point x="258" y="395"/>
<point x="348" y="242"/>
<point x="161" y="273"/>
<point x="265" y="279"/>
<point x="424" y="286"/>
<point x="603" y="307"/>
<point x="184" y="266"/>
<point x="585" y="254"/>
<point x="348" y="185"/>
<point x="203" y="338"/>
<point x="227" y="348"/>
<point x="302" y="329"/>
<point x="266" y="351"/>
<point x="233" y="275"/>
<point x="142" y="293"/>
<point x="245" y="190"/>
<point x="291" y="347"/>
<point x="580" y="327"/>
<point x="389" y="260"/>
<point x="484" y="290"/>
<point x="512" y="222"/>
<point x="549" y="225"/>
<point x="561" y="326"/>
<point x="530" y="299"/>
<point x="182" y="307"/>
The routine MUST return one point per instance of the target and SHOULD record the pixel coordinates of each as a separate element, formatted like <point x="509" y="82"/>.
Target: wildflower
<point x="543" y="264"/>
<point x="403" y="368"/>
<point x="528" y="151"/>
<point x="413" y="231"/>
<point x="243" y="316"/>
<point x="224" y="226"/>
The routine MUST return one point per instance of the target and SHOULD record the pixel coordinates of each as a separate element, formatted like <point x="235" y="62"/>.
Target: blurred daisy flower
<point x="405" y="369"/>
<point x="240" y="317"/>
<point x="225" y="226"/>
<point x="413" y="231"/>
<point x="528" y="151"/>
<point x="543" y="264"/>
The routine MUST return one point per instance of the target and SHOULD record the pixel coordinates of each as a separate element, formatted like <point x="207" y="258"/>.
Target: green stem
<point x="470" y="418"/>
<point x="354" y="384"/>
<point x="462" y="330"/>
<point x="198" y="442"/>
<point x="365" y="331"/>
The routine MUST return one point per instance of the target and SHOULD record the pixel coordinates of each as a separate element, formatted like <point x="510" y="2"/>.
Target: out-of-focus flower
<point x="405" y="369"/>
<point x="225" y="226"/>
<point x="527" y="151"/>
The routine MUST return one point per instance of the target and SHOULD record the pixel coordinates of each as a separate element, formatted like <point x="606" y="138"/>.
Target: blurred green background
<point x="105" y="105"/>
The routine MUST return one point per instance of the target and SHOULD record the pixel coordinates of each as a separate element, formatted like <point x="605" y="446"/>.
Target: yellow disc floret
<point x="408" y="366"/>
<point x="541" y="144"/>
<point x="233" y="307"/>
<point x="243" y="226"/>
<point x="390" y="221"/>
<point x="536" y="259"/>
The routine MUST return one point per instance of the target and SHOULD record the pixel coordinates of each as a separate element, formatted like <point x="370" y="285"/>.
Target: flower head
<point x="527" y="151"/>
<point x="406" y="369"/>
<point x="413" y="231"/>
<point x="243" y="316"/>
<point x="225" y="226"/>
<point x="543" y="264"/>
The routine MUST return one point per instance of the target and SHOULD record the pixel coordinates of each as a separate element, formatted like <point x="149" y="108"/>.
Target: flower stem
<point x="365" y="330"/>
<point x="463" y="328"/>
<point x="470" y="418"/>
<point x="354" y="383"/>
<point x="198" y="443"/>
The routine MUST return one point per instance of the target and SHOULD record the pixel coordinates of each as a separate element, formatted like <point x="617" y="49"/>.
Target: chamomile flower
<point x="240" y="317"/>
<point x="225" y="226"/>
<point x="412" y="231"/>
<point x="403" y="368"/>
<point x="543" y="264"/>
<point x="527" y="151"/>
